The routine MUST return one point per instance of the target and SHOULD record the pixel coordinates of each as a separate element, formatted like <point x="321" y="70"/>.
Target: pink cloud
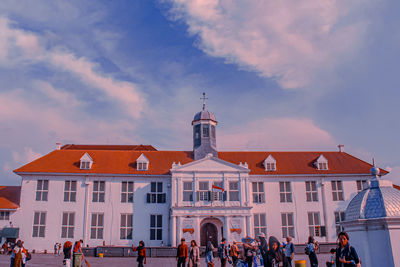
<point x="286" y="40"/>
<point x="276" y="134"/>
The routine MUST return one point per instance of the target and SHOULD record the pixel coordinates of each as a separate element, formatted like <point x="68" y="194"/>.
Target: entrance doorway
<point x="209" y="232"/>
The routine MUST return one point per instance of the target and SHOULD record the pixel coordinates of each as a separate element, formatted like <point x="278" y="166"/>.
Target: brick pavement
<point x="47" y="260"/>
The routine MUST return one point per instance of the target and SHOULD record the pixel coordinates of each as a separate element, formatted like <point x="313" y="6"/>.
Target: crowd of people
<point x="251" y="253"/>
<point x="19" y="255"/>
<point x="263" y="252"/>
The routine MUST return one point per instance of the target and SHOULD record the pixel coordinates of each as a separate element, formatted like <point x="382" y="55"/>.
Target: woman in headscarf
<point x="346" y="255"/>
<point x="312" y="247"/>
<point x="263" y="247"/>
<point x="209" y="254"/>
<point x="275" y="256"/>
<point x="142" y="256"/>
<point x="194" y="255"/>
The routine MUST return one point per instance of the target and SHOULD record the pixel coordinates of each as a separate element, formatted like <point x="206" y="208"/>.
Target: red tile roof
<point x="112" y="160"/>
<point x="9" y="197"/>
<point x="109" y="147"/>
<point x="396" y="186"/>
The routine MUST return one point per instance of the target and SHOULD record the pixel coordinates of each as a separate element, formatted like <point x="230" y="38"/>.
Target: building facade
<point x="119" y="195"/>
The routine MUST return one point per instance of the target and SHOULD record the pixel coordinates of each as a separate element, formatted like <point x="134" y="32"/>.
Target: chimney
<point x="58" y="146"/>
<point x="341" y="148"/>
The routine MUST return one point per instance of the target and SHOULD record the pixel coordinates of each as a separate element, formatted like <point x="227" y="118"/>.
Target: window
<point x="233" y="191"/>
<point x="142" y="163"/>
<point x="258" y="192"/>
<point x="285" y="191"/>
<point x="127" y="192"/>
<point x="99" y="189"/>
<point x="212" y="131"/>
<point x="39" y="224"/>
<point x="260" y="224"/>
<point x="156" y="195"/>
<point x="142" y="166"/>
<point x="360" y="185"/>
<point x="67" y="228"/>
<point x="42" y="190"/>
<point x="314" y="224"/>
<point x="206" y="130"/>
<point x="4" y="215"/>
<point x="339" y="217"/>
<point x="337" y="190"/>
<point x="155" y="227"/>
<point x="196" y="133"/>
<point x="86" y="162"/>
<point x="126" y="226"/>
<point x="218" y="195"/>
<point x="270" y="163"/>
<point x="322" y="163"/>
<point x="322" y="166"/>
<point x="311" y="191"/>
<point x="287" y="225"/>
<point x="187" y="191"/>
<point x="70" y="191"/>
<point x="97" y="226"/>
<point x="204" y="193"/>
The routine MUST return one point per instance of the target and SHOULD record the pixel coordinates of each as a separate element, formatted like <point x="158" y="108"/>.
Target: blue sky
<point x="132" y="72"/>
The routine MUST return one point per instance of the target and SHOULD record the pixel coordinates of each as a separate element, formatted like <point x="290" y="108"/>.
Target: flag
<point x="217" y="188"/>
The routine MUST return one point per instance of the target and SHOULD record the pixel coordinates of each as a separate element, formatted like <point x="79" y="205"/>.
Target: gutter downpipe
<point x="85" y="211"/>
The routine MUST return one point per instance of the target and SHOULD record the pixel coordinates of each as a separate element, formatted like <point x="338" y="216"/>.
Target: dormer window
<point x="322" y="163"/>
<point x="142" y="163"/>
<point x="270" y="163"/>
<point x="86" y="162"/>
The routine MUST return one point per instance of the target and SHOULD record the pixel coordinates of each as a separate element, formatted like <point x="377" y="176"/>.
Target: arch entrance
<point x="210" y="230"/>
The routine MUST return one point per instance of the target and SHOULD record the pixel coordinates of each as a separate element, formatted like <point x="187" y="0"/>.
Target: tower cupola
<point x="204" y="133"/>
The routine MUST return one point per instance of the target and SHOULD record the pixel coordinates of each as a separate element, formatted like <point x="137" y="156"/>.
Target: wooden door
<point x="209" y="232"/>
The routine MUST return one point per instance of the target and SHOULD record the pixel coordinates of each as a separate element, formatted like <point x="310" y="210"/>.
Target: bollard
<point x="301" y="263"/>
<point x="77" y="261"/>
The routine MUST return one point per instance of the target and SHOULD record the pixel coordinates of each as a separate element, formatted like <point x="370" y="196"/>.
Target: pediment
<point x="210" y="164"/>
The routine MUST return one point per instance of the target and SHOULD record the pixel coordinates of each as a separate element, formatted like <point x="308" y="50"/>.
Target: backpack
<point x="307" y="250"/>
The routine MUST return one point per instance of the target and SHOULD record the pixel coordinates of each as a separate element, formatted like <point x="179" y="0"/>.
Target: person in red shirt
<point x="141" y="253"/>
<point x="182" y="253"/>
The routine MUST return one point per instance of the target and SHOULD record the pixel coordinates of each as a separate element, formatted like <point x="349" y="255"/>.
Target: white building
<point x="119" y="195"/>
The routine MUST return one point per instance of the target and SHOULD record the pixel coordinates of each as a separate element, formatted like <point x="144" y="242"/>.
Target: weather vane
<point x="204" y="100"/>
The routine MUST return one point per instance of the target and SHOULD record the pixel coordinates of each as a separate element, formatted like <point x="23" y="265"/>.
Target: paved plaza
<point x="47" y="260"/>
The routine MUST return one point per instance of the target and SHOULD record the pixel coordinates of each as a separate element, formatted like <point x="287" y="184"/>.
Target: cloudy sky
<point x="279" y="75"/>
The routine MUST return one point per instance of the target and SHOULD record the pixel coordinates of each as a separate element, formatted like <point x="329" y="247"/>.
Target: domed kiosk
<point x="372" y="220"/>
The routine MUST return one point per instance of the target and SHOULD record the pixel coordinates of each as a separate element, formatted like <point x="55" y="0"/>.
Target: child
<point x="331" y="263"/>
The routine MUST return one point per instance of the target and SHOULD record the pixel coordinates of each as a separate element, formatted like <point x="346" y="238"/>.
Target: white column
<point x="85" y="212"/>
<point x="179" y="191"/>
<point x="246" y="183"/>
<point x="178" y="230"/>
<point x="226" y="228"/>
<point x="173" y="192"/>
<point x="197" y="230"/>
<point x="241" y="196"/>
<point x="323" y="196"/>
<point x="248" y="226"/>
<point x="173" y="231"/>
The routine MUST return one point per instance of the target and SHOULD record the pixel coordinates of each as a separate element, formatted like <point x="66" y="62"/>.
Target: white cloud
<point x="27" y="155"/>
<point x="276" y="134"/>
<point x="286" y="40"/>
<point x="18" y="46"/>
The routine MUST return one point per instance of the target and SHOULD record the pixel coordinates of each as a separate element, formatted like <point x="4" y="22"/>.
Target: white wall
<point x="112" y="209"/>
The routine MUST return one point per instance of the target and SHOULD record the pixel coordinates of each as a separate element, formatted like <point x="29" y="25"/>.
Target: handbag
<point x="210" y="264"/>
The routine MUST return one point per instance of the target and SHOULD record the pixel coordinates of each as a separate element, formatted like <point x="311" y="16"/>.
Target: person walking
<point x="209" y="254"/>
<point x="346" y="255"/>
<point x="312" y="247"/>
<point x="223" y="252"/>
<point x="67" y="250"/>
<point x="194" y="255"/>
<point x="76" y="251"/>
<point x="142" y="256"/>
<point x="182" y="253"/>
<point x="289" y="251"/>
<point x="18" y="255"/>
<point x="263" y="247"/>
<point x="249" y="252"/>
<point x="234" y="252"/>
<point x="275" y="256"/>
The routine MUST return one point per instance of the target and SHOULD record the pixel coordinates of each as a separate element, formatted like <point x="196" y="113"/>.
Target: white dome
<point x="379" y="200"/>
